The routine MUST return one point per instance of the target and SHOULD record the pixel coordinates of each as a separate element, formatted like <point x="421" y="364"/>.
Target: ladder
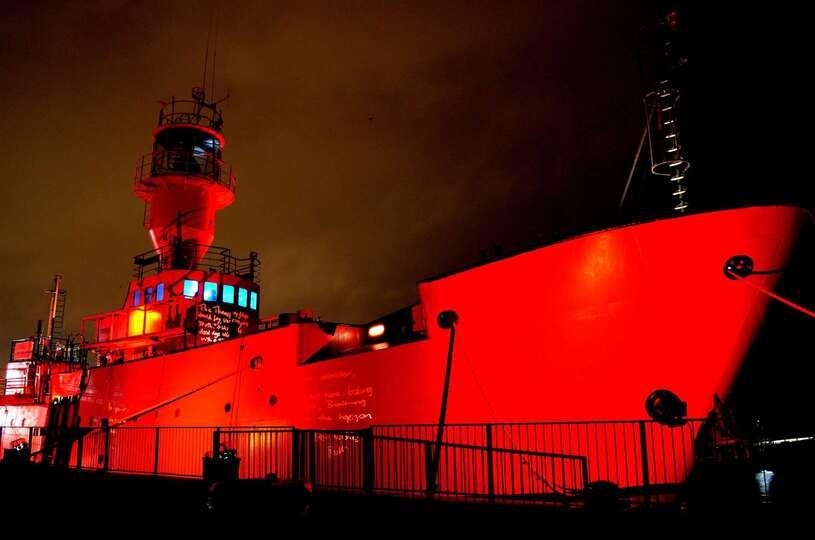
<point x="56" y="309"/>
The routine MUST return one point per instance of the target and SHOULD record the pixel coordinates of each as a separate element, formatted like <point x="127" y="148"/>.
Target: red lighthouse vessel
<point x="531" y="372"/>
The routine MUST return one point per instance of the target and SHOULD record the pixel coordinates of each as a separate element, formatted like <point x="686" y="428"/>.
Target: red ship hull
<point x="582" y="330"/>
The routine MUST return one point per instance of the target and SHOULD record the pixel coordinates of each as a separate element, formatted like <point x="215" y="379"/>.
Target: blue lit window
<point x="242" y="297"/>
<point x="136" y="297"/>
<point x="210" y="291"/>
<point x="148" y="295"/>
<point x="228" y="294"/>
<point x="253" y="300"/>
<point x="160" y="292"/>
<point x="190" y="288"/>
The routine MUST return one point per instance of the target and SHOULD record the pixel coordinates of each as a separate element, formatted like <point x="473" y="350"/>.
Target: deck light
<point x="376" y="330"/>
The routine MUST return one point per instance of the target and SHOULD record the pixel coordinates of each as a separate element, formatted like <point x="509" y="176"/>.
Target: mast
<point x="666" y="154"/>
<point x="56" y="309"/>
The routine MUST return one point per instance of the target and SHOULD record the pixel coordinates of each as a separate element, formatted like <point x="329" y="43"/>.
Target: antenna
<point x="206" y="54"/>
<point x="215" y="48"/>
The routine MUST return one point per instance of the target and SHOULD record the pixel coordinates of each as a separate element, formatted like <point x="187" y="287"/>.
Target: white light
<point x="376" y="330"/>
<point x="782" y="441"/>
<point x="764" y="478"/>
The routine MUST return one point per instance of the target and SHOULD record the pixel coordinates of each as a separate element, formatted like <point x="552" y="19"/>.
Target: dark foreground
<point x="721" y="490"/>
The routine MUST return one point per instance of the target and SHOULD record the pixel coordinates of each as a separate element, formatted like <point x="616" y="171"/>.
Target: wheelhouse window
<point x="190" y="288"/>
<point x="210" y="291"/>
<point x="242" y="297"/>
<point x="253" y="300"/>
<point x="137" y="297"/>
<point x="228" y="294"/>
<point x="159" y="292"/>
<point x="148" y="295"/>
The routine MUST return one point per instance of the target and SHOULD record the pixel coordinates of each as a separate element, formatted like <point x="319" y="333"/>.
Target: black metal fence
<point x="532" y="462"/>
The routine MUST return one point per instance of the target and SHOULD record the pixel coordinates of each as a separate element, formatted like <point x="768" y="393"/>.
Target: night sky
<point x="375" y="143"/>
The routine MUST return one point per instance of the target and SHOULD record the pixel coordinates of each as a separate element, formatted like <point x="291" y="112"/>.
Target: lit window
<point x="242" y="297"/>
<point x="136" y="297"/>
<point x="377" y="330"/>
<point x="148" y="295"/>
<point x="228" y="294"/>
<point x="190" y="288"/>
<point x="210" y="291"/>
<point x="160" y="292"/>
<point x="143" y="321"/>
<point x="253" y="300"/>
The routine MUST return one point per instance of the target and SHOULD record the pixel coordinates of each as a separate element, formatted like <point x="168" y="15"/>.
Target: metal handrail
<point x="189" y="111"/>
<point x="216" y="259"/>
<point x="14" y="383"/>
<point x="184" y="163"/>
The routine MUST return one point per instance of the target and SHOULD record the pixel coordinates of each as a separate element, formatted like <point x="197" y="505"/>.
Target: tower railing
<point x="190" y="111"/>
<point x="216" y="259"/>
<point x="183" y="163"/>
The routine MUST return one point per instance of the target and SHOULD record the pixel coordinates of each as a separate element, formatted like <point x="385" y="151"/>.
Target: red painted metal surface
<point x="581" y="330"/>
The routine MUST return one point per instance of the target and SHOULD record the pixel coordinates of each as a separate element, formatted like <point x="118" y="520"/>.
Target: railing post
<point x="155" y="454"/>
<point x="106" y="462"/>
<point x="216" y="442"/>
<point x="312" y="462"/>
<point x="490" y="466"/>
<point x="646" y="483"/>
<point x="30" y="439"/>
<point x="80" y="443"/>
<point x="296" y="456"/>
<point x="368" y="460"/>
<point x="430" y="477"/>
<point x="584" y="472"/>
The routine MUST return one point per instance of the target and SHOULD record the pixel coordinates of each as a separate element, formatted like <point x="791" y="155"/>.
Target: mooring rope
<point x="778" y="297"/>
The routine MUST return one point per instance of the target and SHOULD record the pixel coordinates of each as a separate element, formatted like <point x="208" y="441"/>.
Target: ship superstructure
<point x="185" y="292"/>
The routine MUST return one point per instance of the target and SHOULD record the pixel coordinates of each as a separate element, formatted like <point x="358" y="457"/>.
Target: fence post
<point x="646" y="483"/>
<point x="216" y="442"/>
<point x="106" y="462"/>
<point x="80" y="443"/>
<point x="312" y="462"/>
<point x="296" y="457"/>
<point x="490" y="466"/>
<point x="155" y="455"/>
<point x="368" y="460"/>
<point x="430" y="479"/>
<point x="584" y="473"/>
